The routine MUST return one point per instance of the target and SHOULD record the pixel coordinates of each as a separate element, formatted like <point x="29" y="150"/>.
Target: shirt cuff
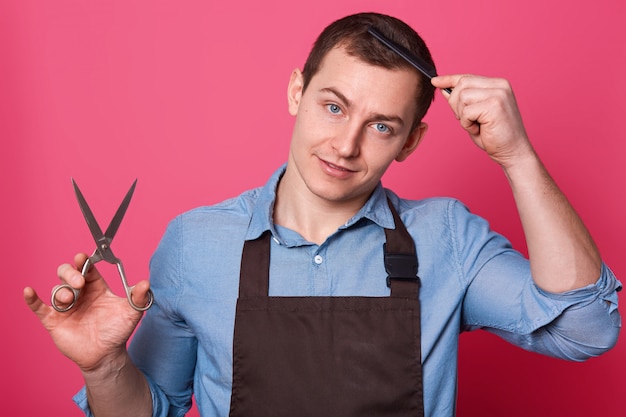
<point x="160" y="404"/>
<point x="605" y="289"/>
<point x="80" y="399"/>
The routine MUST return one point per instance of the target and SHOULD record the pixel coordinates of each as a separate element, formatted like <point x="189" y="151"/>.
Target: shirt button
<point x="318" y="259"/>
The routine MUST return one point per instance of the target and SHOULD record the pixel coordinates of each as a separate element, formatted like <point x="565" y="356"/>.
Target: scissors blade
<point x="119" y="215"/>
<point x="94" y="227"/>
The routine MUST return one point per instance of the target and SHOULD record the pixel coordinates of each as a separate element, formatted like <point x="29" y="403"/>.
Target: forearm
<point x="562" y="253"/>
<point x="118" y="389"/>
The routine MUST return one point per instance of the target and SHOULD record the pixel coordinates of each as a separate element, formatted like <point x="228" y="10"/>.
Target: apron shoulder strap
<point x="400" y="259"/>
<point x="255" y="267"/>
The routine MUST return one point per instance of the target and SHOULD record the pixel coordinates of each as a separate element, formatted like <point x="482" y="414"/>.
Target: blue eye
<point x="334" y="109"/>
<point x="382" y="128"/>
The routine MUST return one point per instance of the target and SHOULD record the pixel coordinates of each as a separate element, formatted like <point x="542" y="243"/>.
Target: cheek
<point x="313" y="127"/>
<point x="380" y="155"/>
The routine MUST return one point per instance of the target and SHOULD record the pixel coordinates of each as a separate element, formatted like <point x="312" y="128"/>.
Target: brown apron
<point x="328" y="356"/>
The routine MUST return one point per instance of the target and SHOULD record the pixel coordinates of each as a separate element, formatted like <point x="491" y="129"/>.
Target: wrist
<point x="109" y="367"/>
<point x="524" y="167"/>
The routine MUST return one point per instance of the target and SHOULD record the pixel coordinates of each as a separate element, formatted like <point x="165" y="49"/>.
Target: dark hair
<point x="351" y="33"/>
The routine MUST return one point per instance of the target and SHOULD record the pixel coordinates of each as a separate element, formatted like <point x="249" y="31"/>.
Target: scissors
<point x="103" y="250"/>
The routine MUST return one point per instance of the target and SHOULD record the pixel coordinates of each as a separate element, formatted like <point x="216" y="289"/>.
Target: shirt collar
<point x="375" y="209"/>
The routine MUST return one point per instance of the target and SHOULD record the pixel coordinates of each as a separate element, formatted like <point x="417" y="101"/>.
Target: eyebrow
<point x="375" y="116"/>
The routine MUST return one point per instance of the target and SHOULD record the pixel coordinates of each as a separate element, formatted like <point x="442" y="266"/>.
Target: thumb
<point x="141" y="295"/>
<point x="35" y="303"/>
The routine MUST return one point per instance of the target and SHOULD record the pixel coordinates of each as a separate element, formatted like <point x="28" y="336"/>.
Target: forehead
<point x="367" y="84"/>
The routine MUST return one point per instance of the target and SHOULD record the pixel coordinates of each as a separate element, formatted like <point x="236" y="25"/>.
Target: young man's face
<point x="352" y="121"/>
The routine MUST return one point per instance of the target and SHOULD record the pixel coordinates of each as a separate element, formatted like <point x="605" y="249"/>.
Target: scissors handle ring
<point x="53" y="300"/>
<point x="135" y="306"/>
<point x="129" y="290"/>
<point x="76" y="292"/>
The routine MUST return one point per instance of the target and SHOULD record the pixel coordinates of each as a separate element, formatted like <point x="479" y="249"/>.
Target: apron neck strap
<point x="254" y="277"/>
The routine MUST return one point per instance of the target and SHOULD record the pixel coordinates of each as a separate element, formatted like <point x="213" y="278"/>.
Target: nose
<point x="347" y="141"/>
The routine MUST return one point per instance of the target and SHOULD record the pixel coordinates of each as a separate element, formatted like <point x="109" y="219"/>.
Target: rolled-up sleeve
<point x="159" y="401"/>
<point x="502" y="298"/>
<point x="586" y="325"/>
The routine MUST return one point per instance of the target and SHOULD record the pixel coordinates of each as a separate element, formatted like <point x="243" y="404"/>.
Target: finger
<point x="472" y="103"/>
<point x="479" y="109"/>
<point x="468" y="81"/>
<point x="446" y="81"/>
<point x="35" y="303"/>
<point x="64" y="297"/>
<point x="471" y="126"/>
<point x="70" y="276"/>
<point x="488" y="105"/>
<point x="92" y="273"/>
<point x="451" y="83"/>
<point x="139" y="294"/>
<point x="444" y="84"/>
<point x="80" y="259"/>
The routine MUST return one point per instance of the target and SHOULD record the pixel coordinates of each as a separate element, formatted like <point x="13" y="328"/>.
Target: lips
<point x="335" y="170"/>
<point x="333" y="166"/>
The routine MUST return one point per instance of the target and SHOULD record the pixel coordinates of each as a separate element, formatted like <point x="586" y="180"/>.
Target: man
<point x="301" y="297"/>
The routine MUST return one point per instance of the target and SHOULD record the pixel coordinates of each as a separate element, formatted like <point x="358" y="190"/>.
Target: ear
<point x="294" y="91"/>
<point x="412" y="141"/>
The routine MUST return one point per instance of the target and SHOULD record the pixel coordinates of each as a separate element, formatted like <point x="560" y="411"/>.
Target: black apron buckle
<point x="400" y="266"/>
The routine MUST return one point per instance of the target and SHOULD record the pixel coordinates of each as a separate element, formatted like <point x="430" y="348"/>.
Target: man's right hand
<point x="95" y="331"/>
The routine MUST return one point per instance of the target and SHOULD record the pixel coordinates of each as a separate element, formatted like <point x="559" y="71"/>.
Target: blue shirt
<point x="471" y="278"/>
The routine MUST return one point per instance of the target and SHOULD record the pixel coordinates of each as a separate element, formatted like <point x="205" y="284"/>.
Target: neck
<point x="314" y="218"/>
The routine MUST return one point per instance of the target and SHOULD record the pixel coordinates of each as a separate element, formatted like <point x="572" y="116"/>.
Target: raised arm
<point x="562" y="253"/>
<point x="94" y="334"/>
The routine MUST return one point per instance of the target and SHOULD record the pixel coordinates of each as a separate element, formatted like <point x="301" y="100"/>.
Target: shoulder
<point x="442" y="218"/>
<point x="205" y="236"/>
<point x="428" y="208"/>
<point x="239" y="207"/>
<point x="227" y="217"/>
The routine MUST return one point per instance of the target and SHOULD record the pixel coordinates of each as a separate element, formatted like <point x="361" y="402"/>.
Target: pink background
<point x="190" y="98"/>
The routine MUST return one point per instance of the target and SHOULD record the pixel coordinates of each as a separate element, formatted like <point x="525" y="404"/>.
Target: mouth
<point x="340" y="168"/>
<point x="335" y="170"/>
